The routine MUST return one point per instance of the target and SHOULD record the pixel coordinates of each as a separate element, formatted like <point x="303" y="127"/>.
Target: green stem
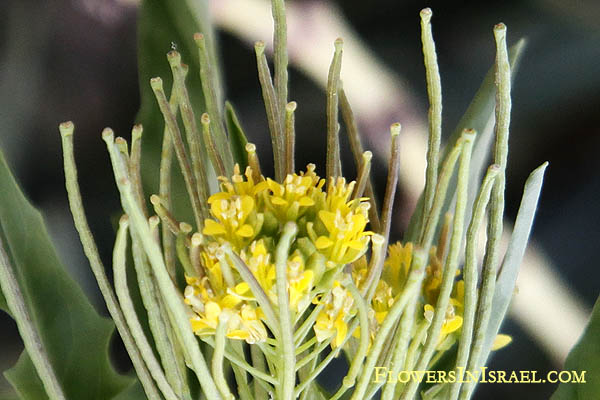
<point x="357" y="151"/>
<point x="91" y="252"/>
<point x="380" y="247"/>
<point x="290" y="137"/>
<point x="412" y="285"/>
<point x="470" y="275"/>
<point x="166" y="163"/>
<point x="417" y="340"/>
<point x="218" y="355"/>
<point x="323" y="364"/>
<point x="446" y="173"/>
<point x="451" y="264"/>
<point x="27" y="330"/>
<point x="272" y="109"/>
<point x="120" y="277"/>
<point x="192" y="134"/>
<point x="173" y="298"/>
<point x="281" y="55"/>
<point x="241" y="377"/>
<point x="257" y="290"/>
<point x="313" y="354"/>
<point x="434" y="92"/>
<point x="258" y="362"/>
<point x="135" y="165"/>
<point x="288" y="380"/>
<point x="213" y="154"/>
<point x="158" y="324"/>
<point x="363" y="318"/>
<point x="303" y="330"/>
<point x="306" y="345"/>
<point x="200" y="209"/>
<point x="236" y="359"/>
<point x="495" y="227"/>
<point x="401" y="349"/>
<point x="210" y="87"/>
<point x="334" y="166"/>
<point x="362" y="177"/>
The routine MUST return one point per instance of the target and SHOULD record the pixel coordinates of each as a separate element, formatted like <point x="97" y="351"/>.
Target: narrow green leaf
<point x="237" y="137"/>
<point x="505" y="282"/>
<point x="75" y="337"/>
<point x="585" y="356"/>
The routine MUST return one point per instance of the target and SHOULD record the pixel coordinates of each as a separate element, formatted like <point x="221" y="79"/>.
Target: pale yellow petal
<point x="501" y="340"/>
<point x="323" y="243"/>
<point x="245" y="231"/>
<point x="213" y="228"/>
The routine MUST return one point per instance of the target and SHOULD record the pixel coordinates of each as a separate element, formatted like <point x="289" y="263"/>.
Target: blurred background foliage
<point x="76" y="59"/>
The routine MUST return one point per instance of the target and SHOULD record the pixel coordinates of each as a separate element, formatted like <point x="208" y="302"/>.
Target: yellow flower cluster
<point x="248" y="216"/>
<point x="431" y="289"/>
<point x="391" y="284"/>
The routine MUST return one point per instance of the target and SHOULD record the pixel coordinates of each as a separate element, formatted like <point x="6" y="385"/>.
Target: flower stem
<point x="91" y="252"/>
<point x="350" y="378"/>
<point x="495" y="227"/>
<point x="164" y="189"/>
<point x="198" y="207"/>
<point x="290" y="137"/>
<point x="434" y="91"/>
<point x="213" y="154"/>
<point x="272" y="109"/>
<point x="286" y="339"/>
<point x="257" y="290"/>
<point x="334" y="166"/>
<point x="281" y="55"/>
<point x="173" y="299"/>
<point x="412" y="285"/>
<point x="470" y="275"/>
<point x="210" y="87"/>
<point x="401" y="348"/>
<point x="362" y="179"/>
<point x="218" y="355"/>
<point x="122" y="290"/>
<point x="433" y="216"/>
<point x="451" y="264"/>
<point x="27" y="330"/>
<point x="258" y="362"/>
<point x="236" y="358"/>
<point x="358" y="151"/>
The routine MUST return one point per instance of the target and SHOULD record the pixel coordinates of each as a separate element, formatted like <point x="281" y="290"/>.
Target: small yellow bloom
<point x="300" y="283"/>
<point x="501" y="340"/>
<point x="346" y="240"/>
<point x="397" y="266"/>
<point x="331" y="321"/>
<point x="291" y="199"/>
